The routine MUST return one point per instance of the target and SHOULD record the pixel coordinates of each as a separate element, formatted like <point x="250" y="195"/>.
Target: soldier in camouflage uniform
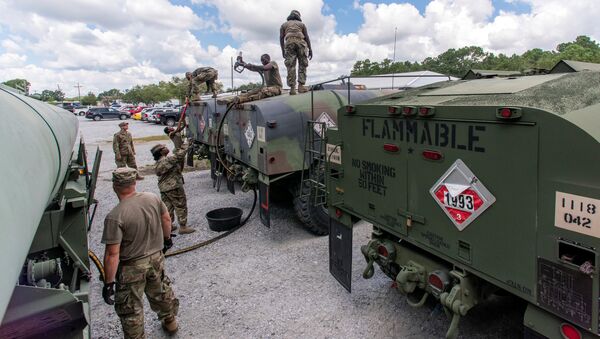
<point x="197" y="77"/>
<point x="136" y="232"/>
<point x="170" y="183"/>
<point x="273" y="84"/>
<point x="123" y="148"/>
<point x="295" y="45"/>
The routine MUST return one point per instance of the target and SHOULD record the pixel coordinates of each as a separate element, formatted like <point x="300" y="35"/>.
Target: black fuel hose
<point x="219" y="137"/>
<point x="100" y="267"/>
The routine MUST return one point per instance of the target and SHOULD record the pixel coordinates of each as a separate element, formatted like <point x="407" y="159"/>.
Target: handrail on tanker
<point x="349" y="78"/>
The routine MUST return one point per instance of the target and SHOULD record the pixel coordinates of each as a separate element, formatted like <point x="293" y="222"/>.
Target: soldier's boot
<point x="174" y="227"/>
<point x="292" y="90"/>
<point x="214" y="93"/>
<point x="302" y="88"/>
<point x="186" y="230"/>
<point x="170" y="325"/>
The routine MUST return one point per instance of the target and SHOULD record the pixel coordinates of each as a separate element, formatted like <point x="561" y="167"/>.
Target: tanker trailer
<point x="475" y="188"/>
<point x="264" y="146"/>
<point x="46" y="191"/>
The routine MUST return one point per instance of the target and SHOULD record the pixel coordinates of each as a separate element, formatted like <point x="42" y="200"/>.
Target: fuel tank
<point x="38" y="142"/>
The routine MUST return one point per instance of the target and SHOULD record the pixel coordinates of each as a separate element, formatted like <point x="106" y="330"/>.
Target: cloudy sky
<point x="105" y="44"/>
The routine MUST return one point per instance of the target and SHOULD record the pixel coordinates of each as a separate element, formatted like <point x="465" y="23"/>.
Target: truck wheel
<point x="314" y="217"/>
<point x="170" y="122"/>
<point x="81" y="113"/>
<point x="122" y="116"/>
<point x="97" y="118"/>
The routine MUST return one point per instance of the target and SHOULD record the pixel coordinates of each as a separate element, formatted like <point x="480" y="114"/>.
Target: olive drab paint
<point x="472" y="198"/>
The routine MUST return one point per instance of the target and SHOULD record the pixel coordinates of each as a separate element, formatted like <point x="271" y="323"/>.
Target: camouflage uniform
<point x="200" y="75"/>
<point x="139" y="277"/>
<point x="123" y="148"/>
<point x="272" y="82"/>
<point x="141" y="261"/>
<point x="170" y="184"/>
<point x="295" y="48"/>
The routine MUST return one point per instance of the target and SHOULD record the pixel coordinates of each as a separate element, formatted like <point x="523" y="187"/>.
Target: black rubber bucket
<point x="224" y="219"/>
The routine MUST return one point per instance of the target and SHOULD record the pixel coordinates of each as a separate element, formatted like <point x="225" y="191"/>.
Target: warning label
<point x="326" y="119"/>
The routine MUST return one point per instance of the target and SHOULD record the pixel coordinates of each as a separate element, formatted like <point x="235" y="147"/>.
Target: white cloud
<point x="119" y="43"/>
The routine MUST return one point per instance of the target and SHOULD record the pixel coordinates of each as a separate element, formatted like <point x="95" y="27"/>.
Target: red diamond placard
<point x="461" y="195"/>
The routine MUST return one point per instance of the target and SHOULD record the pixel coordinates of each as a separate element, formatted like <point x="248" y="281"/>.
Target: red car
<point x="137" y="109"/>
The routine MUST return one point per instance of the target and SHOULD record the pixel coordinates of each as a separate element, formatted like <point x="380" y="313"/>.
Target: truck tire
<point x="97" y="118"/>
<point x="123" y="116"/>
<point x="81" y="113"/>
<point x="170" y="122"/>
<point x="314" y="217"/>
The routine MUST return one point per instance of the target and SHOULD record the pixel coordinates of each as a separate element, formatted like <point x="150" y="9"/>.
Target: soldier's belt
<point x="141" y="261"/>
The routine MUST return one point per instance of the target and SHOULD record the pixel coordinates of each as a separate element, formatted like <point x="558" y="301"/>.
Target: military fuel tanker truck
<point x="46" y="192"/>
<point x="473" y="188"/>
<point x="262" y="145"/>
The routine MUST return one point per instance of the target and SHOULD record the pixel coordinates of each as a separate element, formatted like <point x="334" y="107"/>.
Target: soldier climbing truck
<point x="46" y="192"/>
<point x="474" y="188"/>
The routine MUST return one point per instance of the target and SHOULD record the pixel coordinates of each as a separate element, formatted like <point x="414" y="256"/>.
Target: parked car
<point x="80" y="110"/>
<point x="99" y="113"/>
<point x="136" y="116"/>
<point x="168" y="116"/>
<point x="147" y="112"/>
<point x="67" y="106"/>
<point x="152" y="117"/>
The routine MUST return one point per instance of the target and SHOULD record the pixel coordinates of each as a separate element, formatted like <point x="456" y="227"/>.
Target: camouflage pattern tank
<point x="46" y="192"/>
<point x="264" y="146"/>
<point x="477" y="187"/>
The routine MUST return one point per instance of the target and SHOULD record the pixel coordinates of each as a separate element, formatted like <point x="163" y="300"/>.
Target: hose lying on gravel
<point x="100" y="268"/>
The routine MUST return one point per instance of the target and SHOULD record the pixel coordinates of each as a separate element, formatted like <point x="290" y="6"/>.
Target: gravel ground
<point x="261" y="282"/>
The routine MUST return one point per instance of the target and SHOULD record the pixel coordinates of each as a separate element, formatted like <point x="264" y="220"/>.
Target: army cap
<point x="124" y="175"/>
<point x="123" y="124"/>
<point x="157" y="148"/>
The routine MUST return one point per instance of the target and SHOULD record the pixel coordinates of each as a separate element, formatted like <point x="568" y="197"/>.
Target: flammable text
<point x="438" y="134"/>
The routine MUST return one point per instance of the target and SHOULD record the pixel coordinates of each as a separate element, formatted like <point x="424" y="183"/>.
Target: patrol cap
<point x="295" y="13"/>
<point x="157" y="148"/>
<point x="123" y="124"/>
<point x="124" y="175"/>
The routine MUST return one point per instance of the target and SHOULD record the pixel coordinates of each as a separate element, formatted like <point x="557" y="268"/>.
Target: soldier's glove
<point x="167" y="243"/>
<point x="310" y="54"/>
<point x="107" y="292"/>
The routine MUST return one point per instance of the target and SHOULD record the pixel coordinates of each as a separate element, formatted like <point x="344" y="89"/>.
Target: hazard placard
<point x="461" y="195"/>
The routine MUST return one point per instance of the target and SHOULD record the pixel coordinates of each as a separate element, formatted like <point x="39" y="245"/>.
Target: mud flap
<point x="340" y="253"/>
<point x="263" y="193"/>
<point x="213" y="165"/>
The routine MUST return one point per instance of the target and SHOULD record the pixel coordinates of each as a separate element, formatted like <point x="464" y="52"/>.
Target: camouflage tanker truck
<point x="46" y="191"/>
<point x="263" y="145"/>
<point x="474" y="187"/>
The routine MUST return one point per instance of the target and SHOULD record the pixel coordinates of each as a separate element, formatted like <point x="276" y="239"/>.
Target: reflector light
<point x="423" y="111"/>
<point x="506" y="113"/>
<point x="569" y="331"/>
<point x="271" y="160"/>
<point x="391" y="148"/>
<point x="382" y="250"/>
<point x="432" y="155"/>
<point x="393" y="109"/>
<point x="436" y="282"/>
<point x="350" y="109"/>
<point x="338" y="213"/>
<point x="407" y="110"/>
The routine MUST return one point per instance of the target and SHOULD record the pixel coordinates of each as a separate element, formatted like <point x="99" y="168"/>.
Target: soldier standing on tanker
<point x="197" y="77"/>
<point x="295" y="44"/>
<point x="273" y="83"/>
<point x="170" y="183"/>
<point x="136" y="232"/>
<point x="123" y="148"/>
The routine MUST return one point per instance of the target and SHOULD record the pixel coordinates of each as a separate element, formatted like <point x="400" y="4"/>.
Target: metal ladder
<point x="315" y="142"/>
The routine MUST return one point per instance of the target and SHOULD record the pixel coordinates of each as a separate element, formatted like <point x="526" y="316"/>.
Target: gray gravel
<point x="261" y="282"/>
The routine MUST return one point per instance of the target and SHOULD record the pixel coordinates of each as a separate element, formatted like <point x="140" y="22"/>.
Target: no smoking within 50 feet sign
<point x="461" y="195"/>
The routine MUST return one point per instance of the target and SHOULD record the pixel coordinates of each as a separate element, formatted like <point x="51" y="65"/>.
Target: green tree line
<point x="457" y="62"/>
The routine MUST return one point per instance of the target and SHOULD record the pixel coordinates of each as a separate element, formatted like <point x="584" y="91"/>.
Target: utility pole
<point x="78" y="91"/>
<point x="232" y="74"/>
<point x="394" y="61"/>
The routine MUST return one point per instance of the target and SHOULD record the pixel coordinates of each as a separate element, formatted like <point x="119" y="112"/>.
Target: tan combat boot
<point x="214" y="94"/>
<point x="170" y="325"/>
<point x="292" y="90"/>
<point x="302" y="88"/>
<point x="186" y="230"/>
